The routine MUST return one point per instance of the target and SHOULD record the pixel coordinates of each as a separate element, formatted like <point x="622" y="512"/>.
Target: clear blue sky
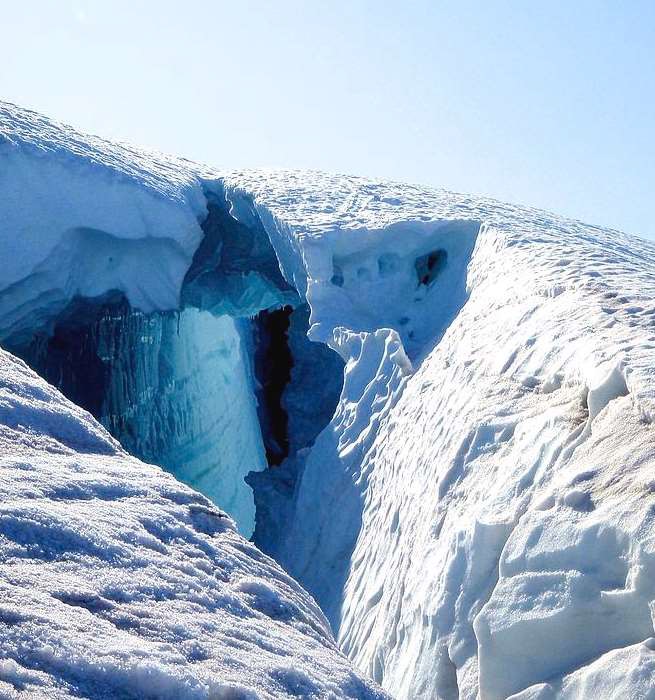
<point x="546" y="103"/>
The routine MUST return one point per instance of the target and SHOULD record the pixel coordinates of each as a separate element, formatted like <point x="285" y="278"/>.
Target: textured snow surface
<point x="480" y="521"/>
<point x="118" y="581"/>
<point x="478" y="517"/>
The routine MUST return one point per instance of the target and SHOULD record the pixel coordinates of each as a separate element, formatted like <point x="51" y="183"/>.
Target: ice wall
<point x="175" y="388"/>
<point x="235" y="270"/>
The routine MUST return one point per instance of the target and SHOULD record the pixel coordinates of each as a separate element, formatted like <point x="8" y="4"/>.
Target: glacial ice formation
<point x="149" y="326"/>
<point x="175" y="388"/>
<point x="467" y="489"/>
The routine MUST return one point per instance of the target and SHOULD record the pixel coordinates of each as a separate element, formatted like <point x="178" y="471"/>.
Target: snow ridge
<point x="168" y="177"/>
<point x="118" y="580"/>
<point x="508" y="441"/>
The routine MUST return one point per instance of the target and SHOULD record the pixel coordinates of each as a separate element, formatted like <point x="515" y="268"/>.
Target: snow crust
<point x="477" y="518"/>
<point x="118" y="581"/>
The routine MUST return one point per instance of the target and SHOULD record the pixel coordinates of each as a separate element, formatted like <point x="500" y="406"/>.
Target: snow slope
<point x="477" y="518"/>
<point x="118" y="581"/>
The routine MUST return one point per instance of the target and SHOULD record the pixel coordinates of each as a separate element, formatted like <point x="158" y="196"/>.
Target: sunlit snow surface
<point x="486" y="518"/>
<point x="118" y="581"/>
<point x="478" y="517"/>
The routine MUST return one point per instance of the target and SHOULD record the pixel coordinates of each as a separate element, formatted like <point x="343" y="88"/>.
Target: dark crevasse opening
<point x="308" y="400"/>
<point x="273" y="362"/>
<point x="224" y="386"/>
<point x="298" y="382"/>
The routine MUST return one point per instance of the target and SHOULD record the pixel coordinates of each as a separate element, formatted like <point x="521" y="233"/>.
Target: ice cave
<point x="224" y="385"/>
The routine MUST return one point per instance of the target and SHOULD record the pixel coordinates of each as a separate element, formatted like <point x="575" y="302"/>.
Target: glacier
<point x="434" y="411"/>
<point x="119" y="581"/>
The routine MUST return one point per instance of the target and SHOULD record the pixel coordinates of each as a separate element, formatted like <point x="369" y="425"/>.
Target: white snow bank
<point x="82" y="216"/>
<point x="625" y="673"/>
<point x="409" y="276"/>
<point x="116" y="580"/>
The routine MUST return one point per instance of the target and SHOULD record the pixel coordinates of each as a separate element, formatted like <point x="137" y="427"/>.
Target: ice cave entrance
<point x="229" y="384"/>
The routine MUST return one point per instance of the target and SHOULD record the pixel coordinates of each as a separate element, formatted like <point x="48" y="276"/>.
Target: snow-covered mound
<point x="475" y="514"/>
<point x="118" y="581"/>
